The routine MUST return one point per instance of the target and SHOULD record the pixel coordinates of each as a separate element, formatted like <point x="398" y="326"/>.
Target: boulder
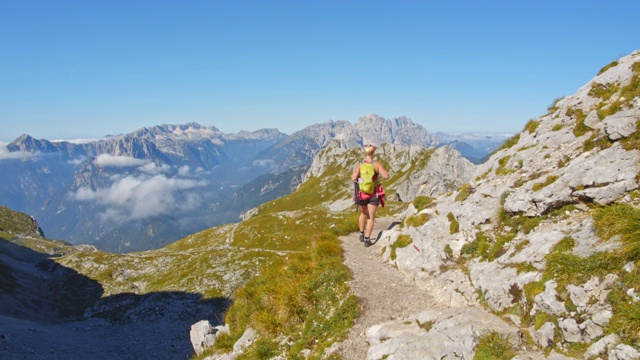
<point x="202" y="336"/>
<point x="602" y="346"/>
<point x="624" y="352"/>
<point x="247" y="338"/>
<point x="544" y="335"/>
<point x="547" y="301"/>
<point x="621" y="124"/>
<point x="570" y="330"/>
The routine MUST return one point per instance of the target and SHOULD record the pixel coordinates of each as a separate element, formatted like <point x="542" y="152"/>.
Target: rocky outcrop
<point x="435" y="334"/>
<point x="445" y="171"/>
<point x="488" y="243"/>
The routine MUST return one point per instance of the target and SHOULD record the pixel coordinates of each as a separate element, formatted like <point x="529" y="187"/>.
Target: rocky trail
<point x="384" y="292"/>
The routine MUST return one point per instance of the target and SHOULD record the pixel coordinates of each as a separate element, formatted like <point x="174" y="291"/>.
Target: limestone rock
<point x="202" y="336"/>
<point x="591" y="330"/>
<point x="593" y="121"/>
<point x="247" y="338"/>
<point x="544" y="335"/>
<point x="434" y="334"/>
<point x="547" y="300"/>
<point x="502" y="287"/>
<point x="621" y="124"/>
<point x="602" y="346"/>
<point x="570" y="330"/>
<point x="624" y="352"/>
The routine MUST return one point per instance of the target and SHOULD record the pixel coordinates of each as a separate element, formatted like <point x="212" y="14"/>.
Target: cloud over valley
<point x="153" y="190"/>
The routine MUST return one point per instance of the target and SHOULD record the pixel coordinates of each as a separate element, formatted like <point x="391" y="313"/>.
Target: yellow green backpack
<point x="367" y="173"/>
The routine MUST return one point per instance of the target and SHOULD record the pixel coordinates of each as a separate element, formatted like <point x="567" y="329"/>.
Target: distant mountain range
<point x="148" y="188"/>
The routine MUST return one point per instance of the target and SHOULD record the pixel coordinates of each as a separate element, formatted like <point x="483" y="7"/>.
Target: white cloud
<point x="154" y="169"/>
<point x="142" y="196"/>
<point x="263" y="163"/>
<point x="76" y="162"/>
<point x="5" y="154"/>
<point x="119" y="161"/>
<point x="184" y="170"/>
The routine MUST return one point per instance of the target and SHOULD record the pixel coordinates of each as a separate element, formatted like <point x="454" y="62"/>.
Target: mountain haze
<point x="155" y="185"/>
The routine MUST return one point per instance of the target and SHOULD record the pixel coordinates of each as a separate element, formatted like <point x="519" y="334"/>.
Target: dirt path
<point x="384" y="292"/>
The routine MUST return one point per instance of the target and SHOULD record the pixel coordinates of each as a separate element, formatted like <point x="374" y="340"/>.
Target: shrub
<point x="448" y="251"/>
<point x="564" y="161"/>
<point x="464" y="192"/>
<point x="497" y="249"/>
<point x="479" y="247"/>
<point x="550" y="180"/>
<point x="416" y="220"/>
<point x="557" y="127"/>
<point x="454" y="227"/>
<point x="632" y="142"/>
<point x="596" y="141"/>
<point x="553" y="107"/>
<point x="510" y="142"/>
<point x="502" y="166"/>
<point x="531" y="126"/>
<point x="603" y="91"/>
<point x="622" y="220"/>
<point x="421" y="202"/>
<point x="580" y="128"/>
<point x="607" y="67"/>
<point x="494" y="346"/>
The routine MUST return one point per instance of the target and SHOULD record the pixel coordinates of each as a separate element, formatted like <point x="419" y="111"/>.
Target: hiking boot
<point x="367" y="243"/>
<point x="361" y="237"/>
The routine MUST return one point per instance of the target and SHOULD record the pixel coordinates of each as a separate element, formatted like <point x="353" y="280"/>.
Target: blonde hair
<point x="369" y="149"/>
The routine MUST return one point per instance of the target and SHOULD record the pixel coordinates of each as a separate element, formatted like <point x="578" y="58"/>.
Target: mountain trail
<point x="384" y="292"/>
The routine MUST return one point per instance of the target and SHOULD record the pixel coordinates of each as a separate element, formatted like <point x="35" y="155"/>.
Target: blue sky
<point x="86" y="68"/>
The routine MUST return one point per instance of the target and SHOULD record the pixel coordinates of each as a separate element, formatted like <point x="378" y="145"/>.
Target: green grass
<point x="554" y="105"/>
<point x="421" y="202"/>
<point x="607" y="67"/>
<point x="621" y="221"/>
<point x="632" y="142"/>
<point x="479" y="247"/>
<point x="401" y="242"/>
<point x="454" y="226"/>
<point x="548" y="181"/>
<point x="494" y="346"/>
<point x="624" y="221"/>
<point x="416" y="220"/>
<point x="512" y="141"/>
<point x="531" y="126"/>
<point x="603" y="91"/>
<point x="502" y="166"/>
<point x="596" y="140"/>
<point x="465" y="191"/>
<point x="17" y="223"/>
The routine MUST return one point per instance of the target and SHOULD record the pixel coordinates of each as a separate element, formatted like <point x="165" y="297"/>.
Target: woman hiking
<point x="368" y="200"/>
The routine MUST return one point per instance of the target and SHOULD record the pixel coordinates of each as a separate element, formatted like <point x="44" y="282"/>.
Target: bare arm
<point x="381" y="170"/>
<point x="356" y="173"/>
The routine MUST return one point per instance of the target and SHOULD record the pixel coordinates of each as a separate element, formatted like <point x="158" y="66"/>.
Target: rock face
<point x="445" y="171"/>
<point x="529" y="199"/>
<point x="434" y="334"/>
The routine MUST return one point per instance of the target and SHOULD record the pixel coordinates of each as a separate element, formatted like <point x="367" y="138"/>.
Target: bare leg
<point x="372" y="215"/>
<point x="362" y="220"/>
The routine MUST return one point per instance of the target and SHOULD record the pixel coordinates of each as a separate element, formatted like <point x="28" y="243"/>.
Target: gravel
<point x="384" y="292"/>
